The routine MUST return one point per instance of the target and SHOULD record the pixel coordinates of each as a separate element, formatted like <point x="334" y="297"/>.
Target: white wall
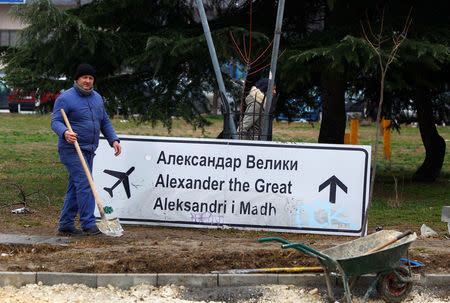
<point x="6" y="21"/>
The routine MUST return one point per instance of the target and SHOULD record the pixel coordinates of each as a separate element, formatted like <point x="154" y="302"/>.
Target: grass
<point x="29" y="162"/>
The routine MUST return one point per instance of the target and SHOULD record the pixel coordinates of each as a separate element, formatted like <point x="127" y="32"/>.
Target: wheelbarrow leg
<point x="348" y="295"/>
<point x="329" y="286"/>
<point x="371" y="289"/>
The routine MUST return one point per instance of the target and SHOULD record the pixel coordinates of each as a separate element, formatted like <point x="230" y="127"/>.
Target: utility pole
<point x="226" y="106"/>
<point x="273" y="68"/>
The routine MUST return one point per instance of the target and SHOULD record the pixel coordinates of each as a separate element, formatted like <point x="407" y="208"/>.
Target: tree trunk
<point x="433" y="143"/>
<point x="332" y="129"/>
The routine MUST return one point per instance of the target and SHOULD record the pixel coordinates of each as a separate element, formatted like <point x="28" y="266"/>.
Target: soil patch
<point x="145" y="249"/>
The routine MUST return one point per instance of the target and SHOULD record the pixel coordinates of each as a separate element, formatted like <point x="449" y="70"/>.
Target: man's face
<point x="86" y="82"/>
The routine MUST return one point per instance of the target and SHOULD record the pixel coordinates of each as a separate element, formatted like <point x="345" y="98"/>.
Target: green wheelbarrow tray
<point x="352" y="260"/>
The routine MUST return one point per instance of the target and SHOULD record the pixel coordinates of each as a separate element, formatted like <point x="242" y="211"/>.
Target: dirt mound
<point x="144" y="249"/>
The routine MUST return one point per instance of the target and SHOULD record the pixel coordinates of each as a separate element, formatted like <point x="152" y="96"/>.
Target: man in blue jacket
<point x="87" y="116"/>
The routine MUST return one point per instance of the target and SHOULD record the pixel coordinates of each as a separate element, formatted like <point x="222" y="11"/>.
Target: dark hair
<point x="262" y="84"/>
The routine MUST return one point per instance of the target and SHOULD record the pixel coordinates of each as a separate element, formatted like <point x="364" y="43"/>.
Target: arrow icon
<point x="333" y="181"/>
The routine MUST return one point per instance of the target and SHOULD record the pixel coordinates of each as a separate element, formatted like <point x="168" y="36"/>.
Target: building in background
<point x="9" y="31"/>
<point x="10" y="26"/>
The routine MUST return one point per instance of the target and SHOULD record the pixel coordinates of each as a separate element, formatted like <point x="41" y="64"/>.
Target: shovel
<point x="110" y="227"/>
<point x="379" y="247"/>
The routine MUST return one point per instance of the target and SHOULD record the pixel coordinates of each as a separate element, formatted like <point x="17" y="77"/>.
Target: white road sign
<point x="303" y="188"/>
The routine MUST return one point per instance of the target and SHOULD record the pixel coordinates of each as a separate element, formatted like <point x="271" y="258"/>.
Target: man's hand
<point x="70" y="137"/>
<point x="117" y="148"/>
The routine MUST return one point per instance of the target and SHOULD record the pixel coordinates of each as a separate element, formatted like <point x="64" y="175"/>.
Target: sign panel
<point x="304" y="188"/>
<point x="12" y="1"/>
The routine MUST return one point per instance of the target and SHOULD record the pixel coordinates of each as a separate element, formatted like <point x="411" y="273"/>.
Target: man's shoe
<point x="92" y="231"/>
<point x="69" y="231"/>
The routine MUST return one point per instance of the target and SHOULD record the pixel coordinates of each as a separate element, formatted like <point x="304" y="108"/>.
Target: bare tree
<point x="252" y="66"/>
<point x="376" y="41"/>
<point x="14" y="194"/>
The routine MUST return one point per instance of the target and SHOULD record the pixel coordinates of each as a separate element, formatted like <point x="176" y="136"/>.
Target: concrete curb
<point x="125" y="281"/>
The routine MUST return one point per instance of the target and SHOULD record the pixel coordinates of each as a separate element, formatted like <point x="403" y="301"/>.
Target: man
<point x="87" y="116"/>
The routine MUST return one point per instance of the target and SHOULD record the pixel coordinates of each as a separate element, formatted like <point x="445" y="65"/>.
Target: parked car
<point x="406" y="112"/>
<point x="308" y="108"/>
<point x="4" y="95"/>
<point x="355" y="105"/>
<point x="441" y="108"/>
<point x="301" y="111"/>
<point x="402" y="111"/>
<point x="28" y="101"/>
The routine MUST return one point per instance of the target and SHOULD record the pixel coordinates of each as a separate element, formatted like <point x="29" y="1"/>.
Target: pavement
<point x="125" y="281"/>
<point x="13" y="239"/>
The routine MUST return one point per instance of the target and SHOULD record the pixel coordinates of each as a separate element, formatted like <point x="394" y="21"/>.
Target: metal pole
<point x="273" y="69"/>
<point x="215" y="62"/>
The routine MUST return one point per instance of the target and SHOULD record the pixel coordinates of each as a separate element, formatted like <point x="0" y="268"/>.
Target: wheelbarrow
<point x="378" y="253"/>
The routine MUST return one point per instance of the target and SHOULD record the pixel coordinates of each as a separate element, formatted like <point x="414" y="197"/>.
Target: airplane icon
<point x="123" y="178"/>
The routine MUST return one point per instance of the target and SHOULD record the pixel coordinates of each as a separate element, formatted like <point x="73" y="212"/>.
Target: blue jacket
<point x="86" y="115"/>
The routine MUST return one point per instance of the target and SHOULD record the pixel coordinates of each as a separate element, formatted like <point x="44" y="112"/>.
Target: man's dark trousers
<point x="79" y="197"/>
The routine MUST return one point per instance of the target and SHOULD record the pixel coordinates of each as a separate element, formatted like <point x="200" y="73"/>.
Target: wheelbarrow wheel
<point x="391" y="289"/>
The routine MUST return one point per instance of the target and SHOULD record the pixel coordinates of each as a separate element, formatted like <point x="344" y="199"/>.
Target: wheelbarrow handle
<point x="317" y="254"/>
<point x="308" y="250"/>
<point x="299" y="246"/>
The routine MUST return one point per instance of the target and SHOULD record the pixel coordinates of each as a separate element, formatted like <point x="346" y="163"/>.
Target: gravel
<point x="36" y="293"/>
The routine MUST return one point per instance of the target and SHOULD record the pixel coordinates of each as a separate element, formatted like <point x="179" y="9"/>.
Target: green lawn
<point x="29" y="161"/>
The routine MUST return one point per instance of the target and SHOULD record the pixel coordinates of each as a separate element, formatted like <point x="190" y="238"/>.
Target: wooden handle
<point x="85" y="167"/>
<point x="406" y="233"/>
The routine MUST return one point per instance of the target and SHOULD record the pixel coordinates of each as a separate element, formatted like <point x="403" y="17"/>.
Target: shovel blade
<point x="110" y="227"/>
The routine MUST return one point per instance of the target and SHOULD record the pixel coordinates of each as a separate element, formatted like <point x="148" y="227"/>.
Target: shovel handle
<point x="85" y="167"/>
<point x="406" y="233"/>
